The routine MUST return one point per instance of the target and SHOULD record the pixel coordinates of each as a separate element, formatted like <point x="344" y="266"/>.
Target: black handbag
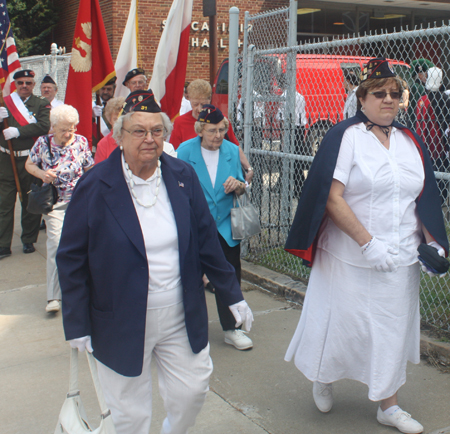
<point x="42" y="199"/>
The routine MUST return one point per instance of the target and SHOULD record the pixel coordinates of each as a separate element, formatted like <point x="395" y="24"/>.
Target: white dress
<point x="358" y="323"/>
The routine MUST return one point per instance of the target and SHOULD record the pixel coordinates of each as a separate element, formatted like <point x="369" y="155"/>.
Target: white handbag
<point x="72" y="418"/>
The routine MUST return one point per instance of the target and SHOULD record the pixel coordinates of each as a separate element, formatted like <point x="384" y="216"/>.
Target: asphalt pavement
<point x="251" y="392"/>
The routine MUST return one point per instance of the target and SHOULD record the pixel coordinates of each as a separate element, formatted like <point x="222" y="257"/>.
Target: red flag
<point x="91" y="65"/>
<point x="169" y="70"/>
<point x="8" y="53"/>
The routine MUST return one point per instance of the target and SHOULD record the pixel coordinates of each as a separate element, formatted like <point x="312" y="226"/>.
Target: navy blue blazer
<point x="103" y="269"/>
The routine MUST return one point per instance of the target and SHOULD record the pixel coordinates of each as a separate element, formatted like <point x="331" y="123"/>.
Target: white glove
<point x="378" y="255"/>
<point x="11" y="133"/>
<point x="82" y="344"/>
<point x="434" y="79"/>
<point x="441" y="252"/>
<point x="3" y="113"/>
<point x="242" y="314"/>
<point x="97" y="111"/>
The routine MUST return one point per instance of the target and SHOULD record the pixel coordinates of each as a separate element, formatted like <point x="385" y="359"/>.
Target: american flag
<point x="8" y="54"/>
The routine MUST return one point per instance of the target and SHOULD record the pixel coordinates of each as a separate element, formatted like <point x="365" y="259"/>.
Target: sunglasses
<point x="27" y="83"/>
<point x="381" y="94"/>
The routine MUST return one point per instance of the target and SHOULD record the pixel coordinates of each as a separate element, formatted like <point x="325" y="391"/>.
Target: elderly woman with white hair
<point x="60" y="158"/>
<point x="137" y="238"/>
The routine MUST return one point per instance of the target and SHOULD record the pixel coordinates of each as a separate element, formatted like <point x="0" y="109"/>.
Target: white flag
<point x="127" y="57"/>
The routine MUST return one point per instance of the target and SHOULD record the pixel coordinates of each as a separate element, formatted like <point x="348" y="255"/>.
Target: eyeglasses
<point x="221" y="131"/>
<point x="27" y="83"/>
<point x="141" y="133"/>
<point x="381" y="94"/>
<point x="70" y="131"/>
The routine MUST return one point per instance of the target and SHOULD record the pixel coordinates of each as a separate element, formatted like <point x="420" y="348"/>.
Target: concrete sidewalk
<point x="252" y="392"/>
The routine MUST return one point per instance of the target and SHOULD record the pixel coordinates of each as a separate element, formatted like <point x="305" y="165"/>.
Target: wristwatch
<point x="249" y="169"/>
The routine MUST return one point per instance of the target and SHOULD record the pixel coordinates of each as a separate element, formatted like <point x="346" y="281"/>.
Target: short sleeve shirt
<point x="381" y="187"/>
<point x="68" y="162"/>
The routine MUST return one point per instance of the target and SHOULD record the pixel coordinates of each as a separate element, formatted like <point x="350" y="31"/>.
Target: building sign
<point x="203" y="41"/>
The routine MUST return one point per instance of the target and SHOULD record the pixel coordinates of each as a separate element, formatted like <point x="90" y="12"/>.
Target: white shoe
<point x="323" y="396"/>
<point x="238" y="339"/>
<point x="53" y="306"/>
<point x="400" y="420"/>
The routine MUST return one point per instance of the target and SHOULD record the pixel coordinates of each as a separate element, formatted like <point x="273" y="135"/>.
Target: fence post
<point x="53" y="52"/>
<point x="248" y="108"/>
<point x="233" y="32"/>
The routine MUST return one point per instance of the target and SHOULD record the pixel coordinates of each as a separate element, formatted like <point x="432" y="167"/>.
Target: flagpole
<point x="137" y="36"/>
<point x="11" y="153"/>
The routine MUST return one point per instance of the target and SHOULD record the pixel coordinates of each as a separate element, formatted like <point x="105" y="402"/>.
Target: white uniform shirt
<point x="159" y="230"/>
<point x="56" y="102"/>
<point x="300" y="109"/>
<point x="381" y="187"/>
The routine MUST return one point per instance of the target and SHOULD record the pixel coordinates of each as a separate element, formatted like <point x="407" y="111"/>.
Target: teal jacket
<point x="219" y="203"/>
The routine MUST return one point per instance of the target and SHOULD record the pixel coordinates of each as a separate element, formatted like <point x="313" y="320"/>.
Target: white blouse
<point x="381" y="187"/>
<point x="211" y="159"/>
<point x="159" y="230"/>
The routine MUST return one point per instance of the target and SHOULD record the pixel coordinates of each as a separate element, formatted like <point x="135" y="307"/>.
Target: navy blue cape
<point x="302" y="237"/>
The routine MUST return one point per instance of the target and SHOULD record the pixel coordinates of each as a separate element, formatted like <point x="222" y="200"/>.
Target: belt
<point x="23" y="153"/>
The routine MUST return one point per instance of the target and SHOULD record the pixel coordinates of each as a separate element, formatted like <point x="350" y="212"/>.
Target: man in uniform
<point x="135" y="80"/>
<point x="28" y="118"/>
<point x="105" y="93"/>
<point x="49" y="91"/>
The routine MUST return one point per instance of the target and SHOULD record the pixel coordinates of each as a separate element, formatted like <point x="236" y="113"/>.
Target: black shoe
<point x="28" y="248"/>
<point x="42" y="226"/>
<point x="4" y="252"/>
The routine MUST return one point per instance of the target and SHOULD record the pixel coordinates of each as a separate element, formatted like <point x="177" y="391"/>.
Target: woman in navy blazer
<point x="137" y="238"/>
<point x="217" y="165"/>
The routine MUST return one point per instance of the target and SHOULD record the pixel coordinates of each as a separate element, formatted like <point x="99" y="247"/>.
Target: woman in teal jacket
<point x="217" y="164"/>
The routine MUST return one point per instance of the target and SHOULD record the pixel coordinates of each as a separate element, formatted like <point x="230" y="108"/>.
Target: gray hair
<point x="198" y="126"/>
<point x="117" y="129"/>
<point x="63" y="113"/>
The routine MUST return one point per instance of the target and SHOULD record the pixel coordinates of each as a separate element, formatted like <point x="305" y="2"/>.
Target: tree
<point x="32" y="22"/>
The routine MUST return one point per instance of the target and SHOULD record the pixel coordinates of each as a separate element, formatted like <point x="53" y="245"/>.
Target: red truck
<point x="320" y="79"/>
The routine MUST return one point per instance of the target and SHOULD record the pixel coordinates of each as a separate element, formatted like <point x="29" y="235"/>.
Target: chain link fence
<point x="288" y="98"/>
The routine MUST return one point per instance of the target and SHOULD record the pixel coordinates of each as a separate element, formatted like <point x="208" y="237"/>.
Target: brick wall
<point x="151" y="15"/>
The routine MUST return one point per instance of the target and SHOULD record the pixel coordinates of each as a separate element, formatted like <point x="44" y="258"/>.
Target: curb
<point x="293" y="290"/>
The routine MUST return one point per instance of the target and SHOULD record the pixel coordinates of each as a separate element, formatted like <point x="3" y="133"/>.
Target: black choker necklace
<point x="385" y="129"/>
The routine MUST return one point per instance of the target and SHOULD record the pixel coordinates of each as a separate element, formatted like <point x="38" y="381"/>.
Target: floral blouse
<point x="68" y="162"/>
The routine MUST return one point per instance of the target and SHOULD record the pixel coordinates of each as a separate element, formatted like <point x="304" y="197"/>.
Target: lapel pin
<point x="180" y="184"/>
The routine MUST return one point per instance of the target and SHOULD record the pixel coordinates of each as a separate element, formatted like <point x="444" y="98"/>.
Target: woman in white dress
<point x="361" y="315"/>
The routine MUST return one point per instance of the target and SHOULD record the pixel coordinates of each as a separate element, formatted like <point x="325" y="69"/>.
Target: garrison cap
<point x="48" y="79"/>
<point x="111" y="81"/>
<point x="133" y="73"/>
<point x="378" y="68"/>
<point x="210" y="114"/>
<point x="24" y="73"/>
<point x="141" y="101"/>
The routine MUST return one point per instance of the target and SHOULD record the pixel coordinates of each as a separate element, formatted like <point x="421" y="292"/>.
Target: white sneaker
<point x="53" y="306"/>
<point x="323" y="396"/>
<point x="238" y="339"/>
<point x="400" y="420"/>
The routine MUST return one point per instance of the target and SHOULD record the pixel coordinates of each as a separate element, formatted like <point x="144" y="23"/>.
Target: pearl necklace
<point x="131" y="183"/>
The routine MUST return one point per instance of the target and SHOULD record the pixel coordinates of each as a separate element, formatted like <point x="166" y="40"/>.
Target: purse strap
<point x="241" y="200"/>
<point x="73" y="388"/>
<point x="49" y="149"/>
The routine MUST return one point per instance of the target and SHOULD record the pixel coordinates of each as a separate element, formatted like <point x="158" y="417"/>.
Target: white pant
<point x="183" y="378"/>
<point x="54" y="223"/>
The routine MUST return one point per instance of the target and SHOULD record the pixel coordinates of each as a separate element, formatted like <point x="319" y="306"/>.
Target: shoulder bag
<point x="42" y="199"/>
<point x="72" y="418"/>
<point x="244" y="218"/>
